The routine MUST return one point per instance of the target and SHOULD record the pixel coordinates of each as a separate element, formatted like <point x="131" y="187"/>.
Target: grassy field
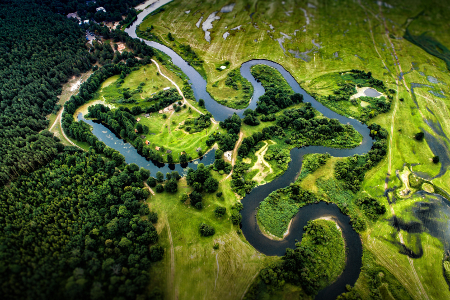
<point x="350" y="35"/>
<point x="164" y="129"/>
<point x="191" y="268"/>
<point x="167" y="133"/>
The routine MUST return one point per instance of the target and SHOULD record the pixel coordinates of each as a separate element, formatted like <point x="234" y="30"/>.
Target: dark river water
<point x="249" y="225"/>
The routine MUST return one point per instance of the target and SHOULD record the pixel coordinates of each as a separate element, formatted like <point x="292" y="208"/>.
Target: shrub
<point x="156" y="253"/>
<point x="236" y="217"/>
<point x="184" y="198"/>
<point x="151" y="182"/>
<point x="159" y="188"/>
<point x="419" y="136"/>
<point x="153" y="217"/>
<point x="436" y="159"/>
<point x="206" y="230"/>
<point x="220" y="211"/>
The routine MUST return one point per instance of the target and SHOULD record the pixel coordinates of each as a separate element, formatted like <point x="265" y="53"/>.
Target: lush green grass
<point x="351" y="30"/>
<point x="226" y="271"/>
<point x="231" y="89"/>
<point x="275" y="213"/>
<point x="176" y="139"/>
<point x="147" y="76"/>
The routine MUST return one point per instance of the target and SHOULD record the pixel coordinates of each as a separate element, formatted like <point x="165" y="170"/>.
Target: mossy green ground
<point x="191" y="268"/>
<point x="352" y="35"/>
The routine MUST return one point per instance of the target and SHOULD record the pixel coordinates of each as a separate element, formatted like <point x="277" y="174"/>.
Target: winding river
<point x="249" y="225"/>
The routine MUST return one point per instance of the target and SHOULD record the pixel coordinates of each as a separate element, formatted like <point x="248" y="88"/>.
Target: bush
<point x="159" y="188"/>
<point x="236" y="217"/>
<point x="206" y="230"/>
<point x="153" y="217"/>
<point x="216" y="246"/>
<point x="171" y="186"/>
<point x="159" y="176"/>
<point x="419" y="136"/>
<point x="184" y="198"/>
<point x="199" y="205"/>
<point x="219" y="195"/>
<point x="436" y="159"/>
<point x="156" y="253"/>
<point x="151" y="182"/>
<point x="220" y="211"/>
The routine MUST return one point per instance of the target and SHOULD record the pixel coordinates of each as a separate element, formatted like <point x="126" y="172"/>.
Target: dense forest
<point x="74" y="229"/>
<point x="39" y="50"/>
<point x="73" y="223"/>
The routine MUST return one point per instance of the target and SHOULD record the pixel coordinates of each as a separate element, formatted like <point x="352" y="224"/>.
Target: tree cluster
<point x="227" y="141"/>
<point x="352" y="170"/>
<point x="371" y="207"/>
<point x="305" y="265"/>
<point x="201" y="180"/>
<point x="192" y="125"/>
<point x="74" y="230"/>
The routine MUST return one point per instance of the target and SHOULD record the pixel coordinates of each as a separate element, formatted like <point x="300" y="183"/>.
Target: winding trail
<point x="234" y="155"/>
<point x="180" y="92"/>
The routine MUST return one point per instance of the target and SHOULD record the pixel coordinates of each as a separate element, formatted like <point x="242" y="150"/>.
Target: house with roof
<point x="157" y="148"/>
<point x="101" y="8"/>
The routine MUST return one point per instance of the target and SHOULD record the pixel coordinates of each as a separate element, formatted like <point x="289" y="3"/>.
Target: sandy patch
<point x="360" y="92"/>
<point x="142" y="6"/>
<point x="76" y="85"/>
<point x="364" y="103"/>
<point x="121" y="47"/>
<point x="84" y="108"/>
<point x="261" y="164"/>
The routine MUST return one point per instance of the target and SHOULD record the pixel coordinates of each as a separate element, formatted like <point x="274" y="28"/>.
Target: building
<point x="135" y="130"/>
<point x="101" y="8"/>
<point x="147" y="142"/>
<point x="138" y="119"/>
<point x="166" y="88"/>
<point x="169" y="151"/>
<point x="198" y="149"/>
<point x="157" y="148"/>
<point x="147" y="115"/>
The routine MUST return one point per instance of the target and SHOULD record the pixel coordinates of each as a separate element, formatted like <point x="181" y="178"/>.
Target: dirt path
<point x="168" y="120"/>
<point x="149" y="188"/>
<point x="249" y="284"/>
<point x="261" y="162"/>
<point x="170" y="284"/>
<point x="180" y="92"/>
<point x="234" y="156"/>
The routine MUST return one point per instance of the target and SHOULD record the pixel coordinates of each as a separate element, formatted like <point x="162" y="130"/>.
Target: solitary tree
<point x="419" y="136"/>
<point x="436" y="159"/>
<point x="201" y="102"/>
<point x="159" y="176"/>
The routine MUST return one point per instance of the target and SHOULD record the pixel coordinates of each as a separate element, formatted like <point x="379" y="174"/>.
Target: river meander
<point x="250" y="228"/>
